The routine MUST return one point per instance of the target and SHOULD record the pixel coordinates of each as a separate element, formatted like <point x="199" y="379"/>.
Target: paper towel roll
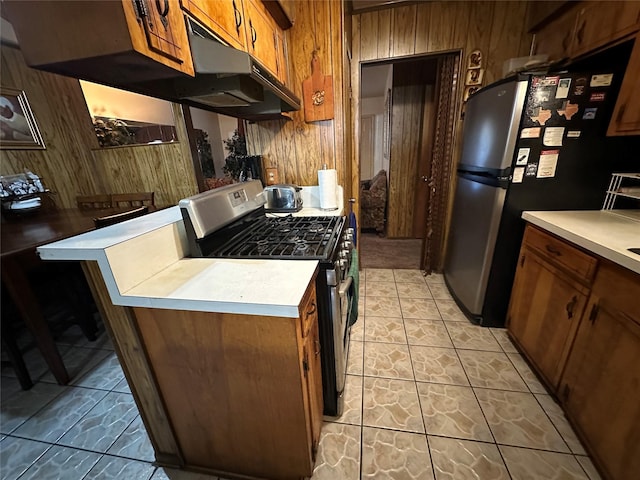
<point x="328" y="186"/>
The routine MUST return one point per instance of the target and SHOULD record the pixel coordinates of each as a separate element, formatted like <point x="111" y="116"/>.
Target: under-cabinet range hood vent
<point x="230" y="81"/>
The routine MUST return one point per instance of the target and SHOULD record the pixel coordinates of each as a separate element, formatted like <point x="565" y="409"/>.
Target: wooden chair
<point x="139" y="199"/>
<point x="93" y="202"/>
<point x="120" y="217"/>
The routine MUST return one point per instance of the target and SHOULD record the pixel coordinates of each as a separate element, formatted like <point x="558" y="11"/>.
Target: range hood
<point x="230" y="81"/>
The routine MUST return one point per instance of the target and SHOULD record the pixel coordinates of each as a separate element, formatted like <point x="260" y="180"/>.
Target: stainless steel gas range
<point x="230" y="222"/>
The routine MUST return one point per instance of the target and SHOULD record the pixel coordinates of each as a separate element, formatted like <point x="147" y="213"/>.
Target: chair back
<point x="107" y="220"/>
<point x="93" y="202"/>
<point x="139" y="199"/>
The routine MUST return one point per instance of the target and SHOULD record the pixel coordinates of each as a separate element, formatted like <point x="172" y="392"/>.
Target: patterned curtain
<point x="442" y="161"/>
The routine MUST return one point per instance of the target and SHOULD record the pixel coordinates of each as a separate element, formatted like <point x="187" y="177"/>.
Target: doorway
<point x="407" y="104"/>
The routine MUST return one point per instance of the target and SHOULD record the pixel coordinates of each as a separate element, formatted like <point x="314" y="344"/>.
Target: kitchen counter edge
<point x="607" y="233"/>
<point x="136" y="259"/>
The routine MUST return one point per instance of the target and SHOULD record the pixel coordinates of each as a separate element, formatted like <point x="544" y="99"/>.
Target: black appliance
<point x="230" y="222"/>
<point x="531" y="142"/>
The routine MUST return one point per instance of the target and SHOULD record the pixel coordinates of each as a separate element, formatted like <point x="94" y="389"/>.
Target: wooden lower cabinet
<point x="600" y="388"/>
<point x="549" y="294"/>
<point x="545" y="308"/>
<point x="580" y="330"/>
<point x="243" y="393"/>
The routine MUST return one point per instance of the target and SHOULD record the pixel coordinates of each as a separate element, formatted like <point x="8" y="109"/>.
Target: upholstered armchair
<point x="373" y="202"/>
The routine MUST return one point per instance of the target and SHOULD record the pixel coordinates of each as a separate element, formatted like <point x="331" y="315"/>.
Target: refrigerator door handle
<point x="491" y="180"/>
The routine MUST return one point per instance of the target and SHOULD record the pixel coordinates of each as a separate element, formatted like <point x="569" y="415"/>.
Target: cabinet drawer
<point x="308" y="309"/>
<point x="561" y="254"/>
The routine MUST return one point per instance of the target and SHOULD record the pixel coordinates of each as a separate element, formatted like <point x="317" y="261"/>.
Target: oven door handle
<point x="345" y="286"/>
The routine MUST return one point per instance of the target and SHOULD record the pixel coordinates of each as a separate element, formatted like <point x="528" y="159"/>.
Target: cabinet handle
<point x="254" y="34"/>
<point x="621" y="113"/>
<point x="580" y="32"/>
<point x="570" y="306"/>
<point x="162" y="11"/>
<point x="552" y="250"/>
<point x="238" y="17"/>
<point x="276" y="47"/>
<point x="312" y="310"/>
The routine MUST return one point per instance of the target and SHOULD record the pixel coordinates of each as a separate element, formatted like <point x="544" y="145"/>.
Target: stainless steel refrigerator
<point x="535" y="142"/>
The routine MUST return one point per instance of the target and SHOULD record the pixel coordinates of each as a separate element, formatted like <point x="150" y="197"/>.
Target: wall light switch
<point x="272" y="176"/>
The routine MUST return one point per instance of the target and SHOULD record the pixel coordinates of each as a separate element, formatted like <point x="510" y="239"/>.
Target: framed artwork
<point x="468" y="91"/>
<point x="18" y="128"/>
<point x="474" y="76"/>
<point x="475" y="60"/>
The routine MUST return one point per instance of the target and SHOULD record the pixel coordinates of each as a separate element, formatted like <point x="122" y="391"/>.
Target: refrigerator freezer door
<point x="476" y="216"/>
<point x="491" y="123"/>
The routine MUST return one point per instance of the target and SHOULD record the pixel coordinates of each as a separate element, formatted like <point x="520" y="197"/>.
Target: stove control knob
<point x="349" y="233"/>
<point x="344" y="253"/>
<point x="343" y="264"/>
<point x="346" y="244"/>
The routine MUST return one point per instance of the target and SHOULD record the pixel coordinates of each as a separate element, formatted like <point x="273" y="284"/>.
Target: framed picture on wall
<point x="469" y="91"/>
<point x="474" y="77"/>
<point x="18" y="128"/>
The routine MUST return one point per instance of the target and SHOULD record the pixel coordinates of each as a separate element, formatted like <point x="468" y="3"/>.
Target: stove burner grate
<point x="284" y="237"/>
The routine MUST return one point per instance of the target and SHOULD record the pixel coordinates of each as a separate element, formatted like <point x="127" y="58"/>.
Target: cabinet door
<point x="224" y="17"/>
<point x="281" y="57"/>
<point x="555" y="37"/>
<point x="599" y="23"/>
<point x="543" y="314"/>
<point x="164" y="27"/>
<point x="261" y="36"/>
<point x="626" y="115"/>
<point x="600" y="388"/>
<point x="311" y="354"/>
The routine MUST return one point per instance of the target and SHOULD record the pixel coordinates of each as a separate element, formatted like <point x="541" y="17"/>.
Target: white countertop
<point x="608" y="233"/>
<point x="144" y="264"/>
<point x="253" y="287"/>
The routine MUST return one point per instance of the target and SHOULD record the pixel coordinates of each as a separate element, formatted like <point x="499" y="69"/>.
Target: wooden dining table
<point x="19" y="238"/>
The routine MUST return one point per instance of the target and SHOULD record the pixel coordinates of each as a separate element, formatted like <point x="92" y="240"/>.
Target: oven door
<point x="341" y="299"/>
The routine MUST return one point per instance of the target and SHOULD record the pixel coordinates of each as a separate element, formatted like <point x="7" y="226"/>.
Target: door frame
<point x="448" y="129"/>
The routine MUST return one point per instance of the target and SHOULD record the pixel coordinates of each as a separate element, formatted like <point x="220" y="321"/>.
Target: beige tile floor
<point x="428" y="396"/>
<point x="431" y="396"/>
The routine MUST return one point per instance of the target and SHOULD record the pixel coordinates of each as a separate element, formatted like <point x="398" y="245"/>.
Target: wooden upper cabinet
<point x="225" y="18"/>
<point x="626" y="115"/>
<point x="159" y="26"/>
<point x="109" y="42"/>
<point x="599" y="23"/>
<point x="261" y="35"/>
<point x="281" y="57"/>
<point x="555" y="37"/>
<point x="586" y="26"/>
<point x="600" y="388"/>
<point x="282" y="11"/>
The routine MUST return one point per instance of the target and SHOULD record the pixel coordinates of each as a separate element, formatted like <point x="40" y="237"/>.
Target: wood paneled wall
<point x="299" y="149"/>
<point x="66" y="165"/>
<point x="496" y="28"/>
<point x="73" y="163"/>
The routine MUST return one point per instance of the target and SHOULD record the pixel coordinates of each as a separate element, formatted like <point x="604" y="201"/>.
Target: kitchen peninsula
<point x="220" y="354"/>
<point x="574" y="313"/>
